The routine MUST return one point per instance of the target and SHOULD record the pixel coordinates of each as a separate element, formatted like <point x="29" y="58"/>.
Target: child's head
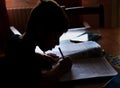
<point x="46" y="24"/>
<point x="47" y="16"/>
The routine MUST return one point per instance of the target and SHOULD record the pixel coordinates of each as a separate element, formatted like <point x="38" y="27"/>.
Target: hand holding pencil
<point x="65" y="62"/>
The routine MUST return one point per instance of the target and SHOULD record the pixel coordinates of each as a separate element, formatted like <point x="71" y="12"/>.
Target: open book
<point x="88" y="61"/>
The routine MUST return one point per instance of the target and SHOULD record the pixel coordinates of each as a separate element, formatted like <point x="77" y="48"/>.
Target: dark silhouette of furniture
<point x="4" y="28"/>
<point x="79" y="10"/>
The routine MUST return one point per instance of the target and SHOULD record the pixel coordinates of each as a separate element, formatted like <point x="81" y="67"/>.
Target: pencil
<point x="61" y="52"/>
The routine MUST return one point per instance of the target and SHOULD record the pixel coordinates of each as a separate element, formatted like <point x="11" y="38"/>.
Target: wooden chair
<point x="75" y="11"/>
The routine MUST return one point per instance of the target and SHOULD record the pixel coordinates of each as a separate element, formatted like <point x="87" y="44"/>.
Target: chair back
<point x="80" y="11"/>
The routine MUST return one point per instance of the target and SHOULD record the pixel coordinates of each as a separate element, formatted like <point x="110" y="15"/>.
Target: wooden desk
<point x="110" y="42"/>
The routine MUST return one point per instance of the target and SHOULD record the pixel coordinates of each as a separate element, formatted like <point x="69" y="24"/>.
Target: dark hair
<point x="47" y="16"/>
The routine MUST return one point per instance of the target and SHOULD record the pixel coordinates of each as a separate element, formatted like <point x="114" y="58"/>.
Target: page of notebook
<point x="84" y="68"/>
<point x="85" y="49"/>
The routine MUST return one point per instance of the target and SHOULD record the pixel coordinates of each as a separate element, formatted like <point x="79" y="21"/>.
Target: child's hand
<point x="53" y="57"/>
<point x="47" y="61"/>
<point x="65" y="64"/>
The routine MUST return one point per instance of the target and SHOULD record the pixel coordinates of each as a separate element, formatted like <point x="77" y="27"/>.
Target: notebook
<point x="88" y="61"/>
